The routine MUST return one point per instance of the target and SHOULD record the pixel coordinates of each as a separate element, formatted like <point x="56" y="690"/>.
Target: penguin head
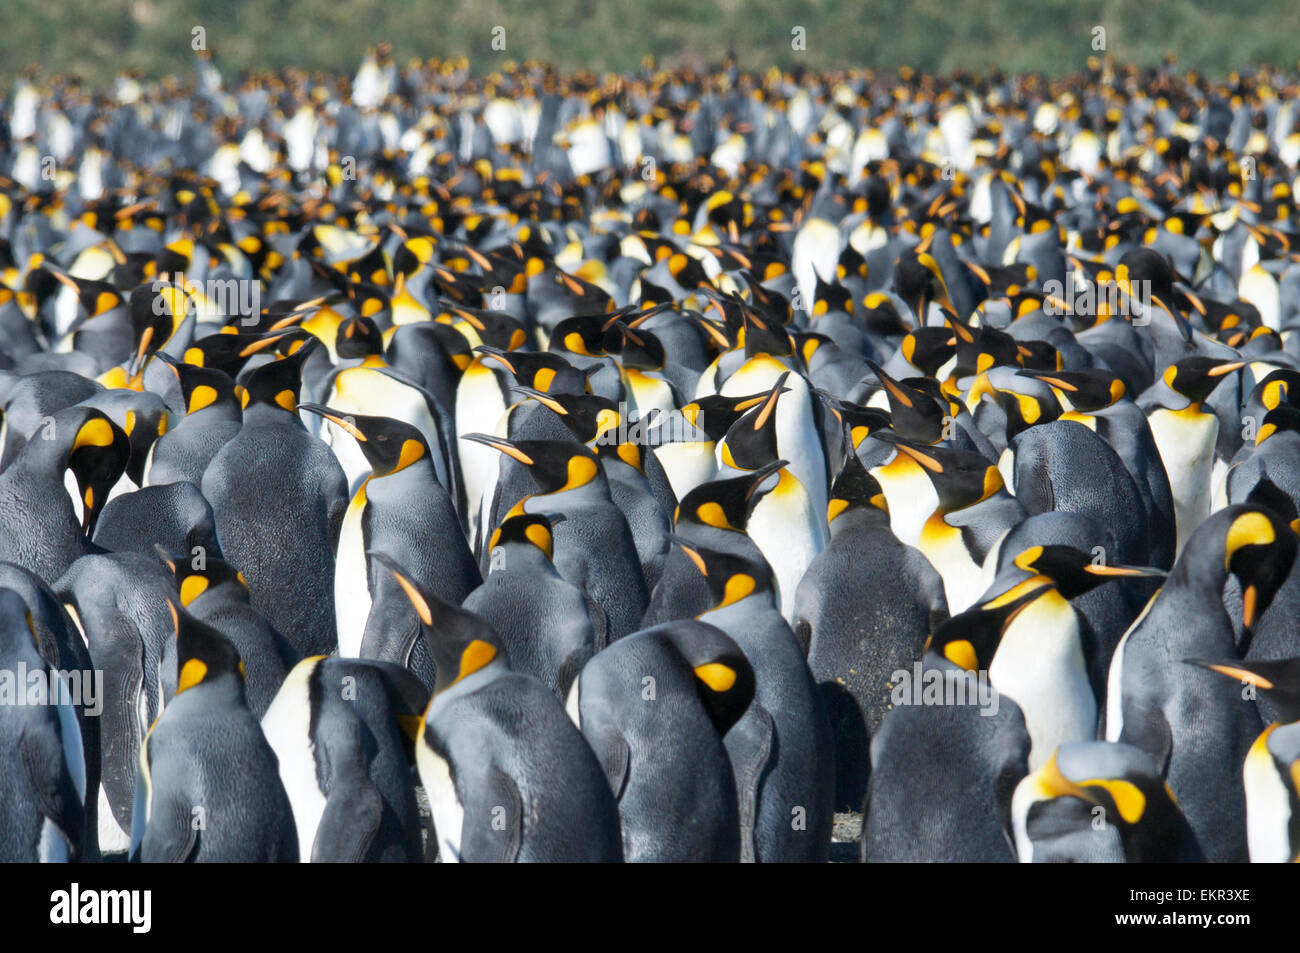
<point x="1085" y="390"/>
<point x="970" y="639"/>
<point x="1073" y="572"/>
<point x="389" y="445"/>
<point x="915" y="414"/>
<point x="731" y="578"/>
<point x="539" y="370"/>
<point x="854" y="488"/>
<point x="359" y="338"/>
<point x="152" y="308"/>
<point x="751" y="441"/>
<point x="715" y="413"/>
<point x="528" y="529"/>
<point x="202" y="387"/>
<point x="1259" y="549"/>
<point x="203" y="655"/>
<point x="196" y="576"/>
<point x="928" y="348"/>
<point x="1195" y="377"/>
<point x="229" y="352"/>
<point x="587" y="416"/>
<point x="1119" y="779"/>
<point x="556" y="466"/>
<point x="960" y="478"/>
<point x="275" y="385"/>
<point x="85" y="441"/>
<point x="726" y="504"/>
<point x="460" y="642"/>
<point x="724" y="679"/>
<point x="1278" y="679"/>
<point x="1283" y="418"/>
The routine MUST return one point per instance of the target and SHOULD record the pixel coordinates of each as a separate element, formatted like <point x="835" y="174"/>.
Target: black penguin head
<point x="276" y="384"/>
<point x="854" y="488"/>
<point x="1281" y="419"/>
<point x="961" y="478"/>
<point x="724" y="678"/>
<point x="970" y="639"/>
<point x="928" y="349"/>
<point x="460" y="642"/>
<point x="526" y="529"/>
<point x="1074" y="572"/>
<point x="203" y="655"/>
<point x="726" y="504"/>
<point x="918" y="281"/>
<point x="539" y="370"/>
<point x="228" y="352"/>
<point x="1086" y="390"/>
<point x="751" y="440"/>
<point x="731" y="578"/>
<point x="152" y="308"/>
<point x="1279" y="680"/>
<point x="916" y="415"/>
<point x="556" y="466"/>
<point x="588" y="417"/>
<point x="715" y="413"/>
<point x="1126" y="784"/>
<point x="199" y="573"/>
<point x="85" y="441"/>
<point x="202" y="387"/>
<point x="389" y="445"/>
<point x="1195" y="377"/>
<point x="358" y="338"/>
<point x="1259" y="549"/>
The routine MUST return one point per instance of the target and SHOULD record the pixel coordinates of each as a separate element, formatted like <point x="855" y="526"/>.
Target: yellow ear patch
<point x="1129" y="800"/>
<point x="738" y="587"/>
<point x="193" y="587"/>
<point x="540" y="537"/>
<point x="717" y="676"/>
<point x="192" y="672"/>
<point x="412" y="450"/>
<point x="96" y="432"/>
<point x="582" y="470"/>
<point x="962" y="653"/>
<point x="287" y="400"/>
<point x="202" y="396"/>
<point x="475" y="656"/>
<point x="1249" y="529"/>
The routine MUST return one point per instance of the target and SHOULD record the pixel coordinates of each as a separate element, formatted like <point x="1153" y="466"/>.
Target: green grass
<point x="95" y="38"/>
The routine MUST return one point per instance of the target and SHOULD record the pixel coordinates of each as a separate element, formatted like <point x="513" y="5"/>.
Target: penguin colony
<point x="542" y="467"/>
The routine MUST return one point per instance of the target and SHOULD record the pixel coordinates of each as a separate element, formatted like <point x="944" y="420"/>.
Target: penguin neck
<point x="593" y="492"/>
<point x="223" y="593"/>
<point x="265" y="415"/>
<point x="213" y="413"/>
<point x="521" y="558"/>
<point x="740" y="613"/>
<point x="398" y="485"/>
<point x="857" y="519"/>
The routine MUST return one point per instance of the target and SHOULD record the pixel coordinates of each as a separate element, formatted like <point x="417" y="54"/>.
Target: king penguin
<point x="1191" y="721"/>
<point x="509" y="776"/>
<point x="655" y="707"/>
<point x="782" y="749"/>
<point x="279" y="496"/>
<point x="401" y="509"/>
<point x="208" y="788"/>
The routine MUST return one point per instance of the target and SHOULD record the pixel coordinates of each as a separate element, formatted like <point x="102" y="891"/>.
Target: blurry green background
<point x="95" y="38"/>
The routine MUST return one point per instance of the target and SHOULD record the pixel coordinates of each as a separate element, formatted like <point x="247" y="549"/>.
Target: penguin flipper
<point x="170" y="837"/>
<point x="353" y="812"/>
<point x="612" y="752"/>
<point x="750" y="744"/>
<point x="51" y="787"/>
<point x="487" y="841"/>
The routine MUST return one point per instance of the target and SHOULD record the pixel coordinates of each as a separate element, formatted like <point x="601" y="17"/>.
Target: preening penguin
<point x="509" y="776"/>
<point x="208" y="787"/>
